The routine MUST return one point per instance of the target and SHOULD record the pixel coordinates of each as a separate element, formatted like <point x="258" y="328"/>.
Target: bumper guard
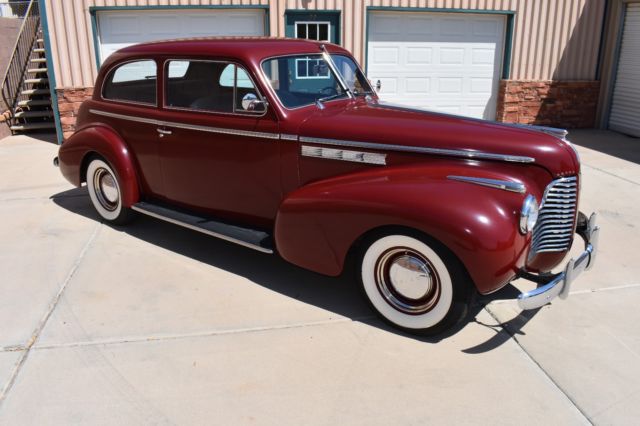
<point x="560" y="284"/>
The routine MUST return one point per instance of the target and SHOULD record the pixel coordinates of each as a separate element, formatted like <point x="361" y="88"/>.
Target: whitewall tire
<point x="411" y="285"/>
<point x="105" y="193"/>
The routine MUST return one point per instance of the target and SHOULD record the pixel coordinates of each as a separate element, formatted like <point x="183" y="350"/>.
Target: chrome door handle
<point x="378" y="85"/>
<point x="163" y="132"/>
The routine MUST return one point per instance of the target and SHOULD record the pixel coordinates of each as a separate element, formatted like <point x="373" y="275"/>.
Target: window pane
<point x="301" y="71"/>
<point x="351" y="74"/>
<point x="296" y="90"/>
<point x="227" y="76"/>
<point x="243" y="79"/>
<point x="323" y="30"/>
<point x="245" y="93"/>
<point x="201" y="87"/>
<point x="301" y="30"/>
<point x="132" y="82"/>
<point x="178" y="69"/>
<point x="312" y="33"/>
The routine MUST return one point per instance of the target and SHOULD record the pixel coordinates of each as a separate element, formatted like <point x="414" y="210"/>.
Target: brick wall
<point x="566" y="104"/>
<point x="69" y="101"/>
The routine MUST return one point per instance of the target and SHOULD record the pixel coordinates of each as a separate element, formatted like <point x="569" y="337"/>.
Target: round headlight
<point x="528" y="214"/>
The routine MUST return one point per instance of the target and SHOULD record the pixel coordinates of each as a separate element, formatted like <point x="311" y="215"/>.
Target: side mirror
<point x="250" y="102"/>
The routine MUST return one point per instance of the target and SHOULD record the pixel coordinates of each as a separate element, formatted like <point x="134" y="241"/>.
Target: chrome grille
<point x="554" y="230"/>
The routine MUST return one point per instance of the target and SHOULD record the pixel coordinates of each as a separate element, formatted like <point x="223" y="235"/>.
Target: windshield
<point x="304" y="79"/>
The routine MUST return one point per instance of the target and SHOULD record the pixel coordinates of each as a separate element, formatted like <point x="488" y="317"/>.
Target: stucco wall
<point x="553" y="39"/>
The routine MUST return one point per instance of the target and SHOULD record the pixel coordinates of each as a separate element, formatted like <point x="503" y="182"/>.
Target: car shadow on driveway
<point x="340" y="295"/>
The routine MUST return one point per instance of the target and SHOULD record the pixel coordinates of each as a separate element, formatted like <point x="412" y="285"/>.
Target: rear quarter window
<point x="133" y="82"/>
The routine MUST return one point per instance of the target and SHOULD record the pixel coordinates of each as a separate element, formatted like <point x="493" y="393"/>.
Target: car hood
<point x="370" y="123"/>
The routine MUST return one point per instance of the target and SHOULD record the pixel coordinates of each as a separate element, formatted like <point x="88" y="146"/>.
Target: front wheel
<point x="105" y="193"/>
<point x="412" y="284"/>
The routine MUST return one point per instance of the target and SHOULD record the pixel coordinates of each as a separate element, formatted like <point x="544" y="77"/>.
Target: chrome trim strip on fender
<point x="286" y="137"/>
<point x="209" y="129"/>
<point x="492" y="183"/>
<point x="420" y="150"/>
<point x="204" y="231"/>
<point x="345" y="155"/>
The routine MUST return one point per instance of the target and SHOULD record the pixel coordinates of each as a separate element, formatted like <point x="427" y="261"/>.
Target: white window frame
<point x="317" y="24"/>
<point x="315" y="77"/>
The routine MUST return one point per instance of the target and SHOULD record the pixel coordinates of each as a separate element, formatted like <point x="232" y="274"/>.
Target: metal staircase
<point x="25" y="87"/>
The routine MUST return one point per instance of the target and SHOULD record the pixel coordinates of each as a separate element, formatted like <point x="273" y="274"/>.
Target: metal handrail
<point x="15" y="74"/>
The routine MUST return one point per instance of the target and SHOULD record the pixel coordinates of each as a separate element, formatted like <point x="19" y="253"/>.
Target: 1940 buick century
<point x="282" y="145"/>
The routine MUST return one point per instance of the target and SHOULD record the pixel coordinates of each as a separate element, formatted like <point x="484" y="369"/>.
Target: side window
<point x="132" y="82"/>
<point x="209" y="86"/>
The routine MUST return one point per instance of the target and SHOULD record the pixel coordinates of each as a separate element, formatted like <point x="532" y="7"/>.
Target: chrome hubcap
<point x="106" y="189"/>
<point x="407" y="281"/>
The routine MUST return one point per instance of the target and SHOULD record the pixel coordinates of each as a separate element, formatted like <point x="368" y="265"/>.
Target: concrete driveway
<point x="155" y="324"/>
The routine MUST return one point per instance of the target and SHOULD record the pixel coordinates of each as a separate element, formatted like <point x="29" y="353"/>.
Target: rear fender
<point x="105" y="142"/>
<point x="318" y="224"/>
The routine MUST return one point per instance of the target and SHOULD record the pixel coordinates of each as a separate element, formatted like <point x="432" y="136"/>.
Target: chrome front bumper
<point x="560" y="284"/>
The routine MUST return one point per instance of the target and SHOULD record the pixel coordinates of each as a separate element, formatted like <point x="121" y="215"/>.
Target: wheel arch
<point x="100" y="141"/>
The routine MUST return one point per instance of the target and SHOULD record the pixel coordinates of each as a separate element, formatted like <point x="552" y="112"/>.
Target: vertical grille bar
<point x="554" y="230"/>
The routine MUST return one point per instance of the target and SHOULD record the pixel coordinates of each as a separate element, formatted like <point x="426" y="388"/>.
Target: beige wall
<point x="554" y="39"/>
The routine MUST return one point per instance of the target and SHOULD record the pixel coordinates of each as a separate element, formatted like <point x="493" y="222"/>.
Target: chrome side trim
<point x="553" y="131"/>
<point x="209" y="129"/>
<point x="492" y="183"/>
<point x="204" y="231"/>
<point x="221" y="130"/>
<point x="345" y="155"/>
<point x="126" y="117"/>
<point x="287" y="137"/>
<point x="420" y="150"/>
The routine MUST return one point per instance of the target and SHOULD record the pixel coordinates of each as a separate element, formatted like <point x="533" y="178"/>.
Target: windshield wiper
<point x="330" y="97"/>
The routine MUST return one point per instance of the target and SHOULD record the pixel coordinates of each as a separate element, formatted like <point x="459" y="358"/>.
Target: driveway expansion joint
<point x="537" y="364"/>
<point x="43" y="322"/>
<point x="106" y="342"/>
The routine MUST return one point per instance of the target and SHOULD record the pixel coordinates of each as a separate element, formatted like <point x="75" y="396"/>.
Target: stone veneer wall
<point x="69" y="101"/>
<point x="566" y="104"/>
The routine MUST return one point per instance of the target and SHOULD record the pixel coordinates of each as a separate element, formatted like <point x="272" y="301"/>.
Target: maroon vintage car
<point x="282" y="145"/>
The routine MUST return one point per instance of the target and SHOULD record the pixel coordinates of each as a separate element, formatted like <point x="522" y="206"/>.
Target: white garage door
<point x="625" y="109"/>
<point x="118" y="29"/>
<point x="449" y="62"/>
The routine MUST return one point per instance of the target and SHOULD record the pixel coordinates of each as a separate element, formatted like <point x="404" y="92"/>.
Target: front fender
<point x="318" y="224"/>
<point x="105" y="142"/>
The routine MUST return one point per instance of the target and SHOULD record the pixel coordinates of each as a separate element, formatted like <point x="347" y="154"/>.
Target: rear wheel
<point x="105" y="193"/>
<point x="413" y="284"/>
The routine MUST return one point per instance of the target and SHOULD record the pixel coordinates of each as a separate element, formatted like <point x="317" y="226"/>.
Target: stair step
<point x="39" y="60"/>
<point x="30" y="102"/>
<point x="36" y="80"/>
<point x="257" y="240"/>
<point x="33" y="114"/>
<point x="31" y="92"/>
<point x="33" y="126"/>
<point x="36" y="70"/>
<point x="40" y="40"/>
<point x="38" y="50"/>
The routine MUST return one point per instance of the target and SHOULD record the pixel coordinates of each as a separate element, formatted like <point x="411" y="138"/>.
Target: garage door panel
<point x="625" y="108"/>
<point x="445" y="62"/>
<point x="118" y="29"/>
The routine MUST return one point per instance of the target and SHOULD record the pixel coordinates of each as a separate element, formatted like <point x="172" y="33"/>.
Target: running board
<point x="257" y="240"/>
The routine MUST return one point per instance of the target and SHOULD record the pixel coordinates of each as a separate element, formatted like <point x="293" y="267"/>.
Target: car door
<point x="129" y="103"/>
<point x="217" y="155"/>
